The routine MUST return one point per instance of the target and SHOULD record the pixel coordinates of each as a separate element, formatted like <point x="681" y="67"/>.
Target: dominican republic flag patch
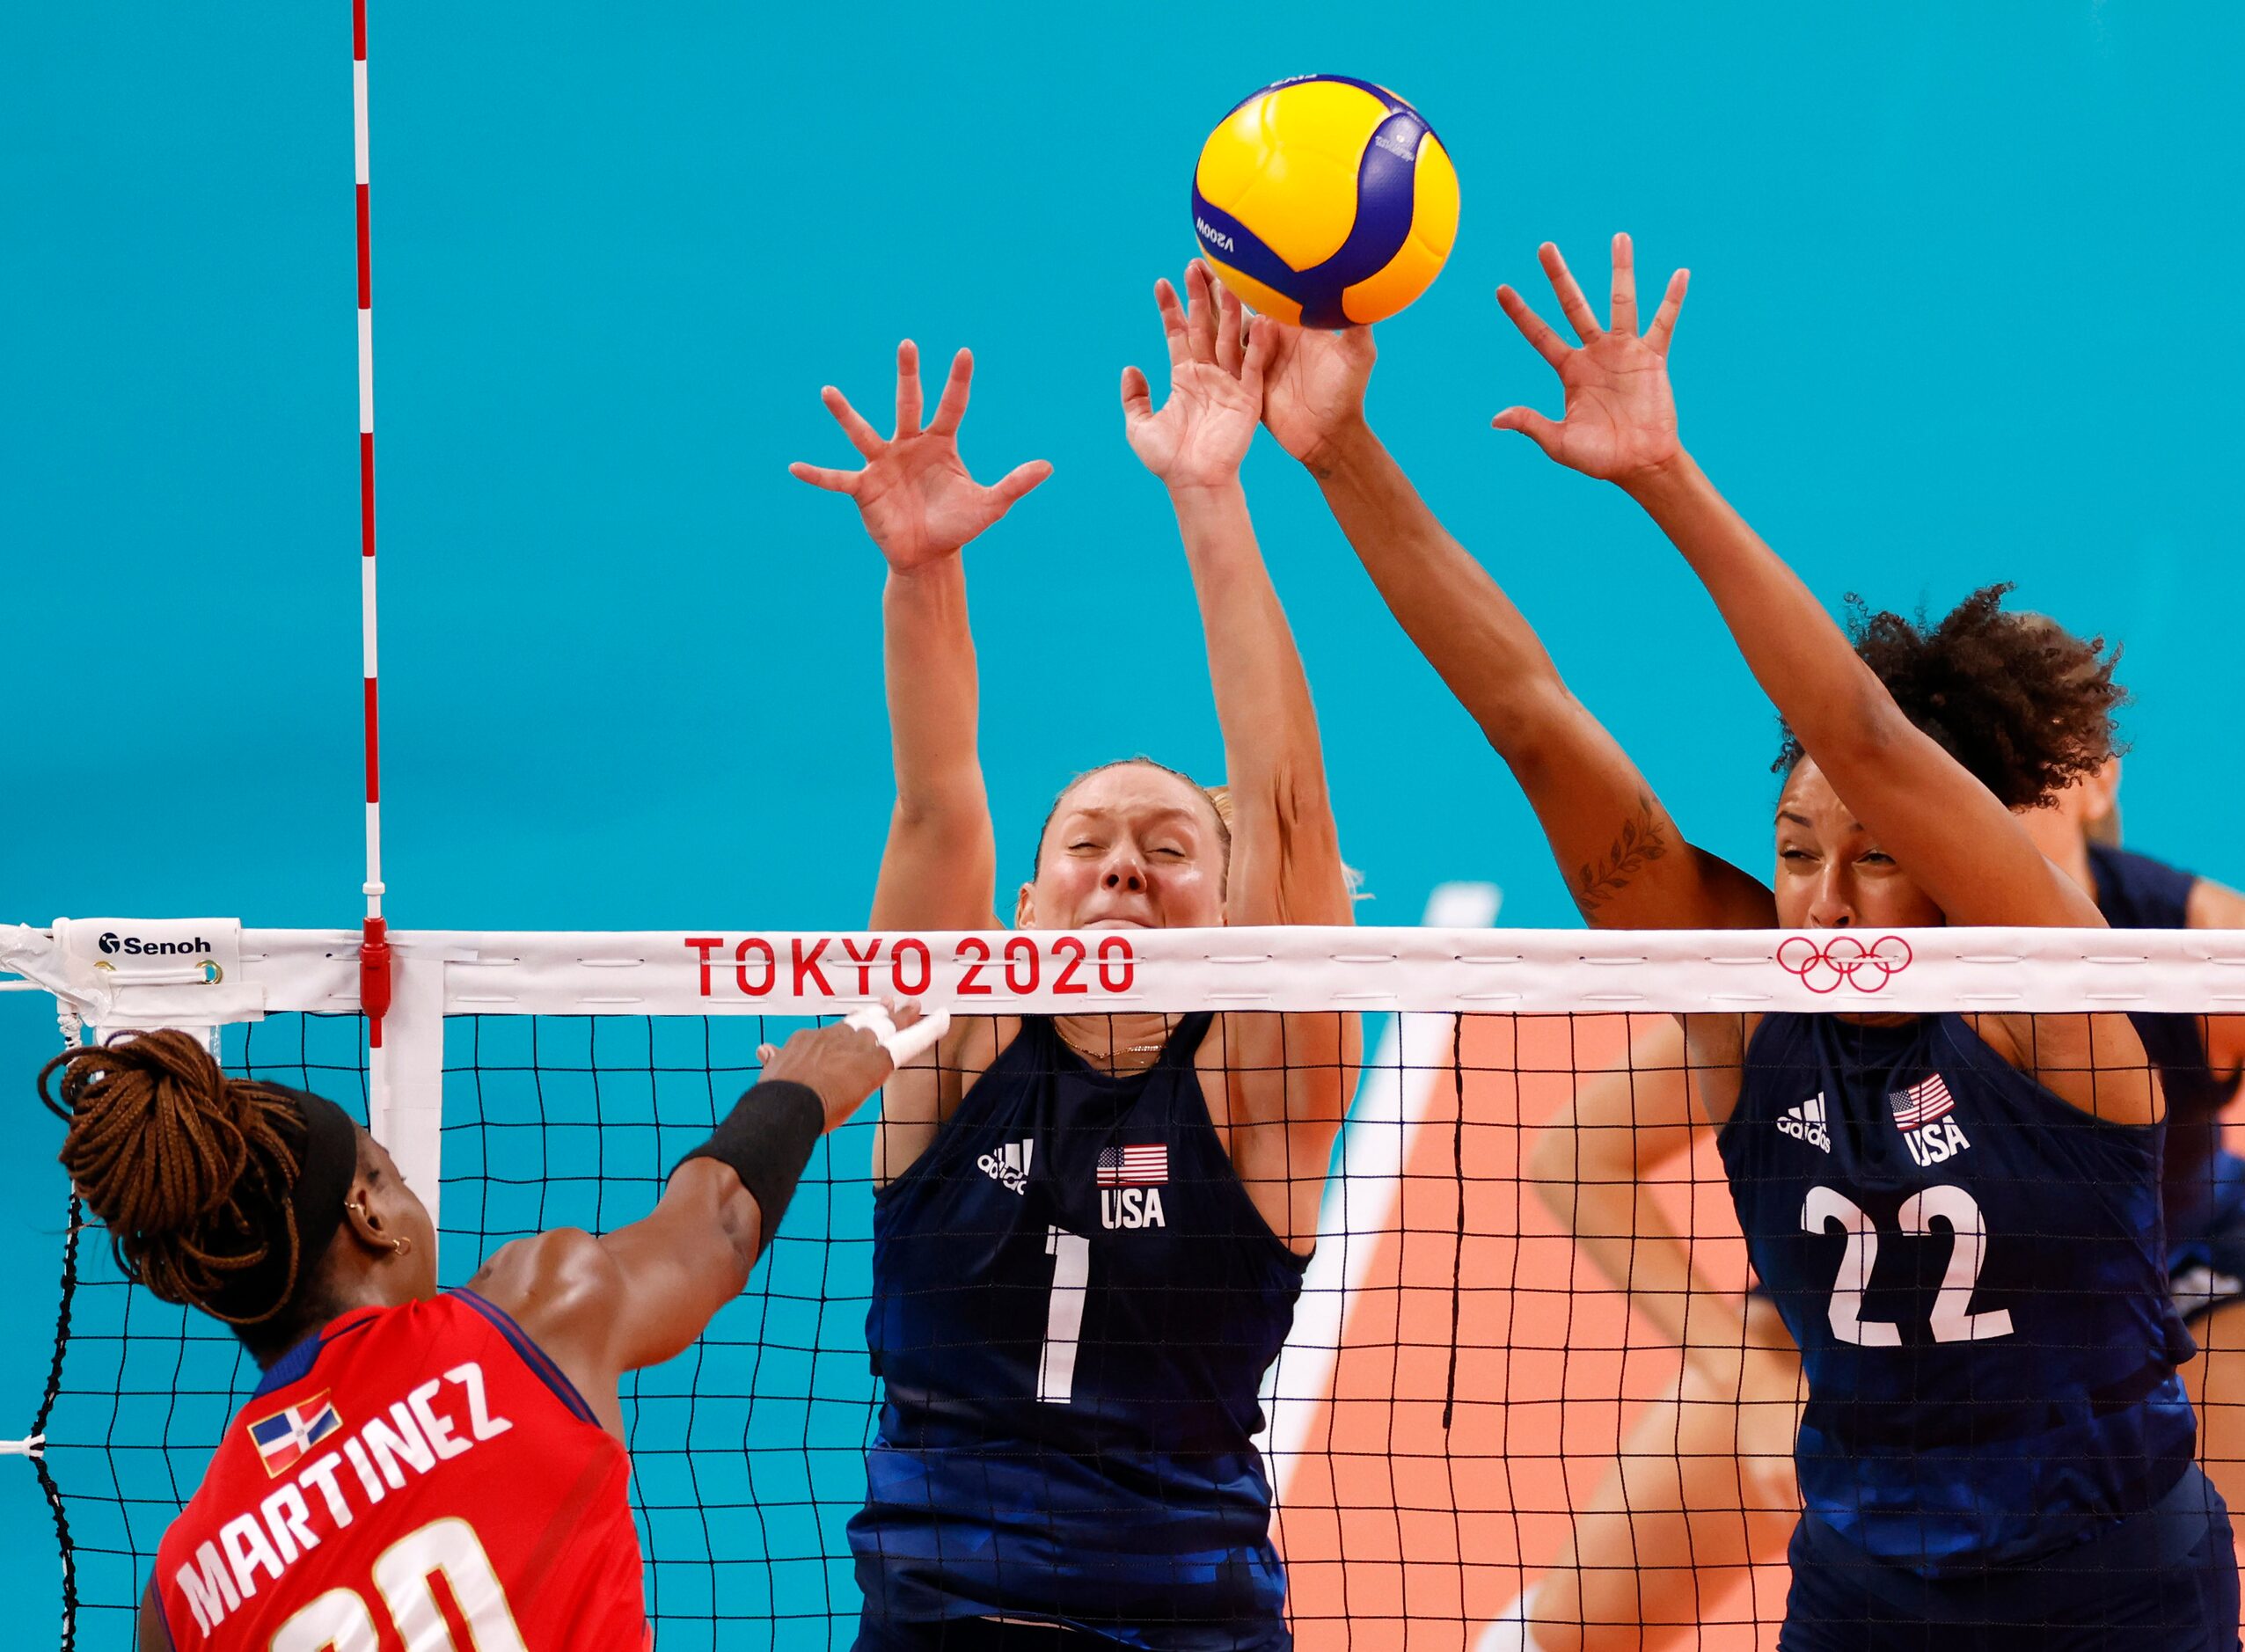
<point x="1141" y="1166"/>
<point x="1921" y="1104"/>
<point x="285" y="1438"/>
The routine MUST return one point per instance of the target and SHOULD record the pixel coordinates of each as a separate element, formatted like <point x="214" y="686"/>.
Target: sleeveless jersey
<point x="1975" y="1274"/>
<point x="408" y="1471"/>
<point x="1073" y="1304"/>
<point x="2137" y="892"/>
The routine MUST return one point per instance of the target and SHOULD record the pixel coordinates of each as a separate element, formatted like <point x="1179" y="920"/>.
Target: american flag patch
<point x="1921" y="1103"/>
<point x="1141" y="1166"/>
<point x="287" y="1436"/>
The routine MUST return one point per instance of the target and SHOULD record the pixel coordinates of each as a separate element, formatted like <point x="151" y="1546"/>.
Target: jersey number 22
<point x="1952" y="1320"/>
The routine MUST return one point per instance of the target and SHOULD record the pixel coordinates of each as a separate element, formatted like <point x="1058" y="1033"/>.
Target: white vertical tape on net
<point x="406" y="1087"/>
<point x="1407" y="1068"/>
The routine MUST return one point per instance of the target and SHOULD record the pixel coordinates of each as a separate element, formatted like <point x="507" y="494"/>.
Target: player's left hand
<point x="1216" y="387"/>
<point x="1620" y="421"/>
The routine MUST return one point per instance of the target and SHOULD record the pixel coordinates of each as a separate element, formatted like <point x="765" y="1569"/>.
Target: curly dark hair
<point x="2022" y="703"/>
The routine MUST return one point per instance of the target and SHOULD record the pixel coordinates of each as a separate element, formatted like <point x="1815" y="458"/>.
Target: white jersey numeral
<point x="1827" y="1205"/>
<point x="337" y="1621"/>
<point x="1064" y="1314"/>
<point x="1952" y="1320"/>
<point x="340" y="1620"/>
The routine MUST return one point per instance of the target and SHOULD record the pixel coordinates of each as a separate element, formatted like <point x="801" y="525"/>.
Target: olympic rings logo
<point x="1846" y="958"/>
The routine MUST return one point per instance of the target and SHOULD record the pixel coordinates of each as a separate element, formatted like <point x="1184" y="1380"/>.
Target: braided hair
<point x="219" y="1193"/>
<point x="2024" y="705"/>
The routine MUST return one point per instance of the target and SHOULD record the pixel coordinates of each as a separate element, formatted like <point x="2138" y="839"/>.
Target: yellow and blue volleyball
<point x="1325" y="200"/>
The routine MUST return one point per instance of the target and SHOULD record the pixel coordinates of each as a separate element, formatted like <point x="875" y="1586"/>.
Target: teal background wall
<point x="1961" y="312"/>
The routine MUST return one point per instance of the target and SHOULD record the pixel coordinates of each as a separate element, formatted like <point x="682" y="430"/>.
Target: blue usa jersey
<point x="2137" y="892"/>
<point x="1074" y="1302"/>
<point x="1975" y="1274"/>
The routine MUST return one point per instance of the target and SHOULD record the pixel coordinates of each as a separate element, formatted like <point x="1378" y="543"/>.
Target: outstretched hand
<point x="1216" y="356"/>
<point x="1314" y="387"/>
<point x="1620" y="420"/>
<point x="916" y="498"/>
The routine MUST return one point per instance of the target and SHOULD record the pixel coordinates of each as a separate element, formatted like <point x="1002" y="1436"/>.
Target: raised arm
<point x="919" y="504"/>
<point x="1626" y="862"/>
<point x="1950" y="833"/>
<point x="603" y="1306"/>
<point x="1286" y="1078"/>
<point x="1286" y="865"/>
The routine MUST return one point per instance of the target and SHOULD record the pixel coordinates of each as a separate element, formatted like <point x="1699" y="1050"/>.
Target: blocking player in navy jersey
<point x="1678" y="1517"/>
<point x="414" y="1460"/>
<point x="2201" y="1060"/>
<point x="1996" y="1448"/>
<point x="1091" y="1230"/>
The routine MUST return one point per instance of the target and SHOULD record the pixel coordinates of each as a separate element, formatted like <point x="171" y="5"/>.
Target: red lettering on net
<point x="1844" y="958"/>
<point x="904" y="965"/>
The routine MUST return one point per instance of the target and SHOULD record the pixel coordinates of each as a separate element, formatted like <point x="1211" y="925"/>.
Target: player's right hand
<point x="1313" y="387"/>
<point x="917" y="500"/>
<point x="843" y="1065"/>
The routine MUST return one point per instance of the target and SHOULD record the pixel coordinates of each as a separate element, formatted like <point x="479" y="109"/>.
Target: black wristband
<point x="767" y="1139"/>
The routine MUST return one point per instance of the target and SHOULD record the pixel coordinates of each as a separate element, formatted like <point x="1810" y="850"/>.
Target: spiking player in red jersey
<point x="435" y="1471"/>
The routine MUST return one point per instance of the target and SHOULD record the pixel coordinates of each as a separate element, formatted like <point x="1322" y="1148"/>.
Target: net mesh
<point x="1469" y="1404"/>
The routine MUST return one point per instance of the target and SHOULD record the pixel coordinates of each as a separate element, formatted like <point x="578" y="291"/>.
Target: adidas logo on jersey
<point x="1806" y="1124"/>
<point x="1009" y="1166"/>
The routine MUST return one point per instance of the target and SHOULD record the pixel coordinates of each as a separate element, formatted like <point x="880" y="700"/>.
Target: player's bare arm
<point x="921" y="506"/>
<point x="601" y="1305"/>
<point x="1286" y="1078"/>
<point x="1626" y="862"/>
<point x="939" y="870"/>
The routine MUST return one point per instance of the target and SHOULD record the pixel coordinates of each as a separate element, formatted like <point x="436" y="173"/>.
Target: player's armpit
<point x="1626" y="862"/>
<point x="153" y="1636"/>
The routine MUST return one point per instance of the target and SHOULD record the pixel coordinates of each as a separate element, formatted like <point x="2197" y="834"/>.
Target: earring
<point x="402" y="1245"/>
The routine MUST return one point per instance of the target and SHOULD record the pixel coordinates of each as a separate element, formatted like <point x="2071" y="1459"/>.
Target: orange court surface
<point x="1399" y="1533"/>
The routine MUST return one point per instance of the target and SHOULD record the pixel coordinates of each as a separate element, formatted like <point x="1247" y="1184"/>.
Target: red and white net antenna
<point x="374" y="947"/>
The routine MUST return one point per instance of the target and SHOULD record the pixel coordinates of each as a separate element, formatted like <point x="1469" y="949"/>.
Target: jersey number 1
<point x="340" y="1620"/>
<point x="1064" y="1314"/>
<point x="1952" y="1320"/>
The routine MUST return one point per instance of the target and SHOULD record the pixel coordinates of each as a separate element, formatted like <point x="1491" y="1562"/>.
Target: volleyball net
<point x="1459" y="1376"/>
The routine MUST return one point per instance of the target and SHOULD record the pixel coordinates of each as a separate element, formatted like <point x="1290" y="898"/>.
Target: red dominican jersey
<point x="418" y="1478"/>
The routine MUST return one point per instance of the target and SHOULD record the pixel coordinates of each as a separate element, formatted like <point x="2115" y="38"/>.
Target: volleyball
<point x="1325" y="200"/>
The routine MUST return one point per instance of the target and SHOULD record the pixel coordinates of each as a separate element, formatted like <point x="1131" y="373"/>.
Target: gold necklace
<point x="1113" y="1051"/>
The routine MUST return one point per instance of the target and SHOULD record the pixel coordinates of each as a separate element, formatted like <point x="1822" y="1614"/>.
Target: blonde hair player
<point x="2009" y="1464"/>
<point x="1091" y="1230"/>
<point x="400" y="1432"/>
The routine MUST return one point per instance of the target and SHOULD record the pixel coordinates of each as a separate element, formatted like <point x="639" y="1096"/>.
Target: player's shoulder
<point x="553" y="1282"/>
<point x="2140" y="891"/>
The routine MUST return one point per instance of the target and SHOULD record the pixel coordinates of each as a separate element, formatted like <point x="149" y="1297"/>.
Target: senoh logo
<point x="860" y="966"/>
<point x="1844" y="958"/>
<point x="112" y="944"/>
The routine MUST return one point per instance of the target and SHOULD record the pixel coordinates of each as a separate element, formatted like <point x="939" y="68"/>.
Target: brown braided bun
<point x="191" y="1170"/>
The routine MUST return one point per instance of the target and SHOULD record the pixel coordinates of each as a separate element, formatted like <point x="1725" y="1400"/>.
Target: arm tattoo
<point x="1642" y="840"/>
